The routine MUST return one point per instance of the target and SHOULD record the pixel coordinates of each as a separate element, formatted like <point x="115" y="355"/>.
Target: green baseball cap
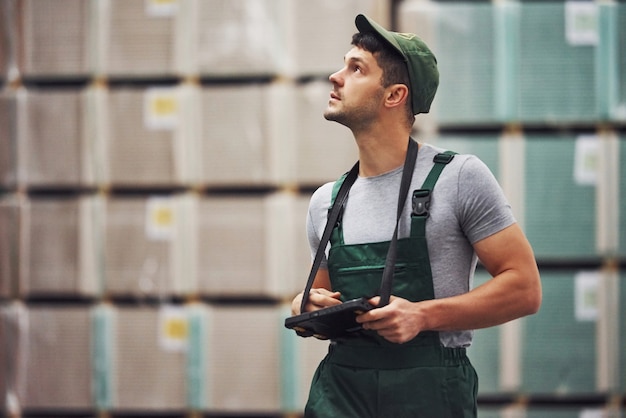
<point x="420" y="61"/>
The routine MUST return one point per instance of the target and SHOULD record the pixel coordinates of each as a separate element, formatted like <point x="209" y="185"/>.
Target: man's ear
<point x="397" y="95"/>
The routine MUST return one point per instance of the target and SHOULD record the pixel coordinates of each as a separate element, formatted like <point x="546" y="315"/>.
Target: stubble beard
<point x="334" y="115"/>
<point x="355" y="119"/>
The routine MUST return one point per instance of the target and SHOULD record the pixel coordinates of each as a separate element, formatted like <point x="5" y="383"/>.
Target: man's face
<point x="356" y="98"/>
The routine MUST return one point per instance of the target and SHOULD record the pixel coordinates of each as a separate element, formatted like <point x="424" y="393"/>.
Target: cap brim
<point x="365" y="25"/>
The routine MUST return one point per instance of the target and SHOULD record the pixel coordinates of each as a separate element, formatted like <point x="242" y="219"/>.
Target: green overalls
<point x="368" y="376"/>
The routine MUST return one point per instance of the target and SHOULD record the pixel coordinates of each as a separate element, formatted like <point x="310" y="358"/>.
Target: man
<point x="409" y="360"/>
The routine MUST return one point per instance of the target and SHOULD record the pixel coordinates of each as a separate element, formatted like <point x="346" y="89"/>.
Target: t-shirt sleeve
<point x="316" y="219"/>
<point x="484" y="209"/>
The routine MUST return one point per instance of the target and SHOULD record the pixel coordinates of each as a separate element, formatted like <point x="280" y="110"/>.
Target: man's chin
<point x="332" y="116"/>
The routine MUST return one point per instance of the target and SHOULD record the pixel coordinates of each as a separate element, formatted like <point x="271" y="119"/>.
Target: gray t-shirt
<point x="467" y="205"/>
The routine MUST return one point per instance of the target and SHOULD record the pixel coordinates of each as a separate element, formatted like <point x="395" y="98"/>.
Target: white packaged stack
<point x="324" y="150"/>
<point x="300" y="358"/>
<point x="239" y="37"/>
<point x="11" y="364"/>
<point x="302" y="252"/>
<point x="54" y="363"/>
<point x="55" y="38"/>
<point x="139" y="38"/>
<point x="320" y="32"/>
<point x="8" y="143"/>
<point x="144" y="137"/>
<point x="53" y="148"/>
<point x="242" y="134"/>
<point x="145" y="244"/>
<point x="4" y="358"/>
<point x="148" y="370"/>
<point x="9" y="245"/>
<point x="245" y="246"/>
<point x="4" y="43"/>
<point x="238" y="381"/>
<point x="58" y="247"/>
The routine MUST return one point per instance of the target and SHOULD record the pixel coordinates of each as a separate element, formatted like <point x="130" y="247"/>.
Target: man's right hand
<point x="319" y="298"/>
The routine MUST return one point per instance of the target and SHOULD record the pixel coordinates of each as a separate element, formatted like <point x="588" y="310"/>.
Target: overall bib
<point x="366" y="376"/>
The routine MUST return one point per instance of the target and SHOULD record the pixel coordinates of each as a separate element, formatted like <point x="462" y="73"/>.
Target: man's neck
<point x="380" y="153"/>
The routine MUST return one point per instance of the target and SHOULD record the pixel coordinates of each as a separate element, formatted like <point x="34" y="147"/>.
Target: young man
<point x="410" y="359"/>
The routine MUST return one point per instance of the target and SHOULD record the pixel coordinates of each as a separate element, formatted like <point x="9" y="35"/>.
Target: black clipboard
<point x="332" y="322"/>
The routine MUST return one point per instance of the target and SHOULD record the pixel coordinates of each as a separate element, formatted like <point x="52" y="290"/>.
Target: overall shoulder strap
<point x="338" y="199"/>
<point x="441" y="160"/>
<point x="390" y="261"/>
<point x="421" y="197"/>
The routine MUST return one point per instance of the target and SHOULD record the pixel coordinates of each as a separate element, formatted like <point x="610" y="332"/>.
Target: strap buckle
<point x="443" y="158"/>
<point x="421" y="202"/>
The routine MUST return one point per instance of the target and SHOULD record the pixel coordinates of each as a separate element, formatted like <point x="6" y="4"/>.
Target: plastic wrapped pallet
<point x="139" y="38"/>
<point x="4" y="40"/>
<point x="241" y="139"/>
<point x="140" y="357"/>
<point x="52" y="137"/>
<point x="324" y="150"/>
<point x="9" y="245"/>
<point x="245" y="246"/>
<point x="11" y="315"/>
<point x="620" y="111"/>
<point x="54" y="363"/>
<point x="58" y="247"/>
<point x="8" y="140"/>
<point x="556" y="73"/>
<point x="300" y="358"/>
<point x="562" y="360"/>
<point x="463" y="38"/>
<point x="320" y="32"/>
<point x="145" y="244"/>
<point x="534" y="62"/>
<point x="302" y="257"/>
<point x="235" y="380"/>
<point x="622" y="197"/>
<point x="622" y="332"/>
<point x="56" y="38"/>
<point x="5" y="377"/>
<point x="485" y="351"/>
<point x="558" y="186"/>
<point x="239" y="37"/>
<point x="484" y="146"/>
<point x="144" y="137"/>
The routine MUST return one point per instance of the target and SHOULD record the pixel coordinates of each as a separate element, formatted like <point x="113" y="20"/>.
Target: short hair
<point x="394" y="67"/>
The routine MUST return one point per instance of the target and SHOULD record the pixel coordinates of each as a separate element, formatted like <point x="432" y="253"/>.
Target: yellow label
<point x="160" y="219"/>
<point x="164" y="106"/>
<point x="161" y="8"/>
<point x="163" y="217"/>
<point x="161" y="108"/>
<point x="174" y="328"/>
